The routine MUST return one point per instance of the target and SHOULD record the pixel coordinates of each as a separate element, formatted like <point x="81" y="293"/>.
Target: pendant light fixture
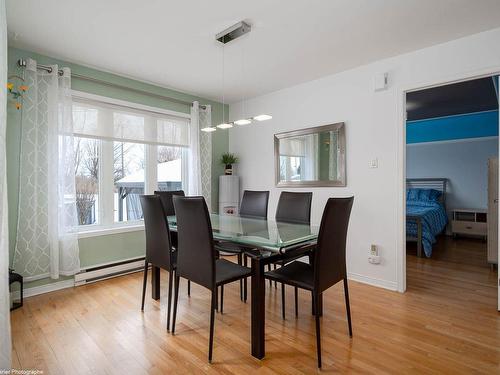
<point x="224" y="125"/>
<point x="224" y="37"/>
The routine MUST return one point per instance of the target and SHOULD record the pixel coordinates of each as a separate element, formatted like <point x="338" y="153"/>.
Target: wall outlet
<point x="373" y="250"/>
<point x="374" y="259"/>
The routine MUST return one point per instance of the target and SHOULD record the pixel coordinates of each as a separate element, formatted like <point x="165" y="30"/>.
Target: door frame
<point x="402" y="90"/>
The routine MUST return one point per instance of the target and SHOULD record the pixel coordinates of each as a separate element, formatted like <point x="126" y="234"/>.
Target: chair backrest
<point x="158" y="242"/>
<point x="254" y="204"/>
<point x="294" y="207"/>
<point x="196" y="255"/>
<point x="329" y="258"/>
<point x="166" y="200"/>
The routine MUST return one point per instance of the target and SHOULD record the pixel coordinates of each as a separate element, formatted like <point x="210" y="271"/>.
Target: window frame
<point x="106" y="224"/>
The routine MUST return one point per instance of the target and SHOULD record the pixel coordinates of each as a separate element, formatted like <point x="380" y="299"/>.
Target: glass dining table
<point x="264" y="242"/>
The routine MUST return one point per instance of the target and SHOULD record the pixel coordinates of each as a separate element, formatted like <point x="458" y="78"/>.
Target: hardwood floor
<point x="446" y="323"/>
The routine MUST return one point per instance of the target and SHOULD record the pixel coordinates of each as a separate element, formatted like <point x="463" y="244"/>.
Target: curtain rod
<point x="47" y="68"/>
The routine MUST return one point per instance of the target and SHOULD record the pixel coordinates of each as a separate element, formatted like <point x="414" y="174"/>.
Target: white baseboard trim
<point x="106" y="272"/>
<point x="391" y="285"/>
<point x="47" y="288"/>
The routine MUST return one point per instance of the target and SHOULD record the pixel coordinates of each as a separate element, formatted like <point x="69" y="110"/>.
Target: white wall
<point x="373" y="130"/>
<point x="464" y="162"/>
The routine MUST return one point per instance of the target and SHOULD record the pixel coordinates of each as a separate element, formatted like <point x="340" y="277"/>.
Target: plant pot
<point x="228" y="171"/>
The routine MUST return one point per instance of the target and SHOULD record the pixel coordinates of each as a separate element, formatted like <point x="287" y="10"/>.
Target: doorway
<point x="451" y="181"/>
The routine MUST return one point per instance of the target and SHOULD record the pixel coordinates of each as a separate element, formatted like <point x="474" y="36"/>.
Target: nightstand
<point x="469" y="222"/>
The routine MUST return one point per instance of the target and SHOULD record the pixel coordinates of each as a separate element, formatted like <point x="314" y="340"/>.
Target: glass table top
<point x="267" y="234"/>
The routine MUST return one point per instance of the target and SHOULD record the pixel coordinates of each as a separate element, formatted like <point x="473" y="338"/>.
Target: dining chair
<point x="168" y="206"/>
<point x="329" y="262"/>
<point x="197" y="260"/>
<point x="159" y="252"/>
<point x="166" y="199"/>
<point x="253" y="205"/>
<point x="295" y="208"/>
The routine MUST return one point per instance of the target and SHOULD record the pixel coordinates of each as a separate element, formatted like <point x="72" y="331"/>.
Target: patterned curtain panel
<point x="47" y="243"/>
<point x="200" y="153"/>
<point x="206" y="155"/>
<point x="5" y="345"/>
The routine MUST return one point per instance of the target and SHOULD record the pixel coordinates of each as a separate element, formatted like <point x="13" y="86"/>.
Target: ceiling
<point x="172" y="43"/>
<point x="458" y="98"/>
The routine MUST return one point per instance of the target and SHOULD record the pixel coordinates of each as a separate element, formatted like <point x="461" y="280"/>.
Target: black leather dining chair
<point x="197" y="260"/>
<point x="329" y="261"/>
<point x="294" y="208"/>
<point x="166" y="199"/>
<point x="168" y="206"/>
<point x="253" y="205"/>
<point x="159" y="252"/>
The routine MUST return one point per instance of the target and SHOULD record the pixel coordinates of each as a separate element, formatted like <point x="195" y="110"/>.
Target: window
<point x="123" y="150"/>
<point x="129" y="181"/>
<point x="87" y="179"/>
<point x="169" y="173"/>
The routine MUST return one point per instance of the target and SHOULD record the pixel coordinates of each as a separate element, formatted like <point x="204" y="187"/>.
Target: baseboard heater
<point x="91" y="275"/>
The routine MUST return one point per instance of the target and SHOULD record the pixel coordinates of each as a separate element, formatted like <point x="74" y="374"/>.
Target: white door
<point x="493" y="249"/>
<point x="495" y="82"/>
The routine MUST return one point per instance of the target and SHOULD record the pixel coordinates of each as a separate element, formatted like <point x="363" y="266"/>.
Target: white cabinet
<point x="469" y="222"/>
<point x="229" y="195"/>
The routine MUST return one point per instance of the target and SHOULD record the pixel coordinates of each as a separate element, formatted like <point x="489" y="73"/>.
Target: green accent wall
<point x="108" y="248"/>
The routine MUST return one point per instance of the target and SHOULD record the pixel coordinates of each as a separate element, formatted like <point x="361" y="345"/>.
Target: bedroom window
<point x="124" y="150"/>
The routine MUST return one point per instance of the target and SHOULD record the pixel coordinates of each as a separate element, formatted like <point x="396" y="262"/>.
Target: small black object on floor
<point x="13" y="278"/>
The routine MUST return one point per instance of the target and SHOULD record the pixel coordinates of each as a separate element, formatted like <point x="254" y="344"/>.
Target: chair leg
<point x="212" y="313"/>
<point x="318" y="337"/>
<point x="189" y="288"/>
<point x="347" y="306"/>
<point x="222" y="299"/>
<point x="283" y="301"/>
<point x="296" y="302"/>
<point x="245" y="281"/>
<point x="312" y="304"/>
<point x="146" y="265"/>
<point x="217" y="299"/>
<point x="240" y="262"/>
<point x="270" y="281"/>
<point x="275" y="283"/>
<point x="169" y="304"/>
<point x="176" y="297"/>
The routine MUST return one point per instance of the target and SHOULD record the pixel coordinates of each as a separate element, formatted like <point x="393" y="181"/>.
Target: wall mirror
<point x="311" y="157"/>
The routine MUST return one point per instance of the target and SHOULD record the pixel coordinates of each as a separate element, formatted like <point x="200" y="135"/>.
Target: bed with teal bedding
<point x="425" y="212"/>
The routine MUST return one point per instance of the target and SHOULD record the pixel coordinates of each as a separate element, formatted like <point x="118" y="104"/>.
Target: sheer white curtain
<point x="47" y="243"/>
<point x="200" y="153"/>
<point x="5" y="345"/>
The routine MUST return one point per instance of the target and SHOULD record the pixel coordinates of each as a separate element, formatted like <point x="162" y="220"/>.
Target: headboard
<point x="438" y="184"/>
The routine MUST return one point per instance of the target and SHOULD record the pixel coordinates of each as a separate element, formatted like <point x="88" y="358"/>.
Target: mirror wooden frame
<point x="340" y="126"/>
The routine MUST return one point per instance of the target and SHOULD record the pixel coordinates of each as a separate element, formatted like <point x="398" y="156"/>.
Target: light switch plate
<point x="373" y="163"/>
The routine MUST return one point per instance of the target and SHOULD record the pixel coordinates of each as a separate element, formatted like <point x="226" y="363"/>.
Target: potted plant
<point x="228" y="159"/>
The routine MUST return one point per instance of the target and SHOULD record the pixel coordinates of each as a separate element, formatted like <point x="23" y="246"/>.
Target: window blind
<point x="119" y="123"/>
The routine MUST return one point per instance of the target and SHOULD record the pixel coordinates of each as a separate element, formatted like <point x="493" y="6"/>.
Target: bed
<point x="425" y="212"/>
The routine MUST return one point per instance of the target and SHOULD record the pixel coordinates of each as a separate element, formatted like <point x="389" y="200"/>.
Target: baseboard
<point x="391" y="285"/>
<point x="91" y="275"/>
<point x="47" y="288"/>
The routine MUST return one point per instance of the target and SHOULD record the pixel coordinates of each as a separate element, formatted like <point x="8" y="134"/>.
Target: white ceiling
<point x="171" y="43"/>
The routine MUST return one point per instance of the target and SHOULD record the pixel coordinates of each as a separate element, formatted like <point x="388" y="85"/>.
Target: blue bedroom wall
<point x="463" y="162"/>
